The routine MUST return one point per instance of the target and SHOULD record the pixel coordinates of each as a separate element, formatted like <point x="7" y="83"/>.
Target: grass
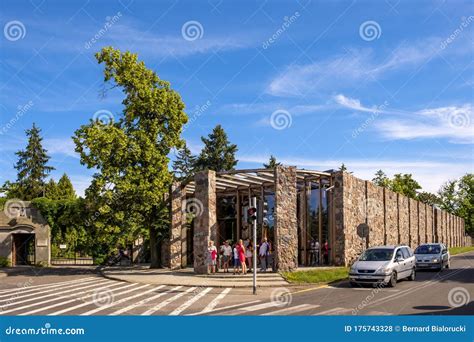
<point x="317" y="276"/>
<point x="459" y="250"/>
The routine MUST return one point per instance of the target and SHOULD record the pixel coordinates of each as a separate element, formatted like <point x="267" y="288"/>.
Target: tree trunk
<point x="154" y="252"/>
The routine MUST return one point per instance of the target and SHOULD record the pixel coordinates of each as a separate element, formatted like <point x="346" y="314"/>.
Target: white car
<point x="432" y="256"/>
<point x="383" y="265"/>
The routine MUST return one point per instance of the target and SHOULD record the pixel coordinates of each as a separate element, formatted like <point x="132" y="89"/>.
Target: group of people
<point x="240" y="256"/>
<point x="315" y="250"/>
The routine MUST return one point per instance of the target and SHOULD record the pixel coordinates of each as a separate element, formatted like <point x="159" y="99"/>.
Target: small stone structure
<point x="22" y="218"/>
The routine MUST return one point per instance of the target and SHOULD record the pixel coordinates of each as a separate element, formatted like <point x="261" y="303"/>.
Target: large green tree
<point x="405" y="184"/>
<point x="185" y="164"/>
<point x="381" y="179"/>
<point x="130" y="154"/>
<point x="218" y="153"/>
<point x="65" y="189"/>
<point x="32" y="167"/>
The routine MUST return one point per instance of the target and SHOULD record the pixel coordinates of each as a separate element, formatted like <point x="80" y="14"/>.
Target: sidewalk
<point x="187" y="277"/>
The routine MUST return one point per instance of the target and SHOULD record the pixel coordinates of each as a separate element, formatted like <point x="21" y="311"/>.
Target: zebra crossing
<point x="100" y="296"/>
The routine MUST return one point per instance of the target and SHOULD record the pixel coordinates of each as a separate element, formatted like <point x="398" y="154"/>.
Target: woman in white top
<point x="249" y="256"/>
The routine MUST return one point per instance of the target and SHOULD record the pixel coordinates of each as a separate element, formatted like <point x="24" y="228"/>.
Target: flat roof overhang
<point x="234" y="180"/>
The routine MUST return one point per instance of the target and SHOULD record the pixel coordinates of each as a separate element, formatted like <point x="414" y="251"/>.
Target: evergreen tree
<point x="51" y="190"/>
<point x="272" y="163"/>
<point x="343" y="167"/>
<point x="32" y="167"/>
<point x="428" y="198"/>
<point x="65" y="190"/>
<point x="381" y="179"/>
<point x="218" y="153"/>
<point x="185" y="163"/>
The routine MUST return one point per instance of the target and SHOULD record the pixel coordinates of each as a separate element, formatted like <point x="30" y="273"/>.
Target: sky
<point x="371" y="84"/>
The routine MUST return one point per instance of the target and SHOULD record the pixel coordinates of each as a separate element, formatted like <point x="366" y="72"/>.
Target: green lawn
<point x="459" y="250"/>
<point x="317" y="276"/>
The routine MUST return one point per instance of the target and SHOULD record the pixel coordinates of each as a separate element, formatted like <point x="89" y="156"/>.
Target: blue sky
<point x="374" y="84"/>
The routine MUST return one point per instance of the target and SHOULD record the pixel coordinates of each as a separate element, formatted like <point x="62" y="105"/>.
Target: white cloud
<point x="60" y="146"/>
<point x="430" y="174"/>
<point x="350" y="68"/>
<point x="352" y="103"/>
<point x="455" y="123"/>
<point x="80" y="183"/>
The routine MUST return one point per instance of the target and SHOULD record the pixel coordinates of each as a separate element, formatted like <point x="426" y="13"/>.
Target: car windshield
<point x="382" y="254"/>
<point x="428" y="249"/>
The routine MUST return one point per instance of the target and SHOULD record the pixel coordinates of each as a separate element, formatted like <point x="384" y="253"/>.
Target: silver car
<point x="383" y="265"/>
<point x="432" y="256"/>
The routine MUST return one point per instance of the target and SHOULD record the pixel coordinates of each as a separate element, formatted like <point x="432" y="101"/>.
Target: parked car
<point x="432" y="256"/>
<point x="383" y="265"/>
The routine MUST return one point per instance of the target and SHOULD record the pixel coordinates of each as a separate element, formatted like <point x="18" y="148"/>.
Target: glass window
<point x="382" y="254"/>
<point x="405" y="252"/>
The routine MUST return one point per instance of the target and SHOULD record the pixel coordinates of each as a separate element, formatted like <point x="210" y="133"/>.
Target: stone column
<point x="286" y="225"/>
<point x="205" y="223"/>
<point x="178" y="224"/>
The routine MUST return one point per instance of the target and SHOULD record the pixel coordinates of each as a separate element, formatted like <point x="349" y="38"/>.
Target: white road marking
<point x="190" y="302"/>
<point x="47" y="301"/>
<point x="143" y="301"/>
<point x="215" y="301"/>
<point x="91" y="302"/>
<point x="50" y="289"/>
<point x="26" y="289"/>
<point x="227" y="307"/>
<point x="292" y="309"/>
<point x="258" y="307"/>
<point x="334" y="311"/>
<point x="123" y="300"/>
<point x="166" y="302"/>
<point x="108" y="286"/>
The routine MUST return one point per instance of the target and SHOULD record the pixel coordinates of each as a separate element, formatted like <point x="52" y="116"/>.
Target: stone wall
<point x="178" y="227"/>
<point x="286" y="225"/>
<point x="205" y="222"/>
<point x="414" y="225"/>
<point x="391" y="218"/>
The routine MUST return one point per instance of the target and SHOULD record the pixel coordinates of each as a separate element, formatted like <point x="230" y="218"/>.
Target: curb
<point x="236" y="286"/>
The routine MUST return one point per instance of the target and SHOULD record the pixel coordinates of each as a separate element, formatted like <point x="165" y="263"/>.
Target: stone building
<point x="295" y="206"/>
<point x="24" y="235"/>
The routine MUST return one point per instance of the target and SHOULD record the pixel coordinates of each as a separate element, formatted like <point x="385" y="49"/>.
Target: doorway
<point x="23" y="249"/>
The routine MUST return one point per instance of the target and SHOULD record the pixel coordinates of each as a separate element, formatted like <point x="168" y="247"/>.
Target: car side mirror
<point x="399" y="259"/>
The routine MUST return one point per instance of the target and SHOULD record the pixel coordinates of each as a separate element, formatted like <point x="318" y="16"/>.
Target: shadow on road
<point x="467" y="309"/>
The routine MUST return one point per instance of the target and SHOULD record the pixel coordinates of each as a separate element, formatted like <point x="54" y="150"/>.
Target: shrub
<point x="4" y="262"/>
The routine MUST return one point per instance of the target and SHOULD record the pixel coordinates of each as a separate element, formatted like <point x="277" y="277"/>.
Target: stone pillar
<point x="286" y="225"/>
<point x="178" y="224"/>
<point x="205" y="223"/>
<point x="338" y="208"/>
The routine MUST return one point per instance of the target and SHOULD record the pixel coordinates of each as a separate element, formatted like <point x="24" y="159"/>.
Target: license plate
<point x="363" y="276"/>
<point x="422" y="264"/>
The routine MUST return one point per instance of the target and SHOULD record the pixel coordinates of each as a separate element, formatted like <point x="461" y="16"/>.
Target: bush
<point x="4" y="262"/>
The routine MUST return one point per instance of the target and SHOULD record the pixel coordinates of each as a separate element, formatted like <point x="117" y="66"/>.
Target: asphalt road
<point x="82" y="291"/>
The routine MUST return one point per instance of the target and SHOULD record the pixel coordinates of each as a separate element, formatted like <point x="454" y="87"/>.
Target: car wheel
<point x="440" y="266"/>
<point x="447" y="265"/>
<point x="412" y="275"/>
<point x="393" y="280"/>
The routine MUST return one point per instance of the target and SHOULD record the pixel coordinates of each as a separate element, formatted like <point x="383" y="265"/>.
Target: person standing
<point x="236" y="259"/>
<point x="325" y="251"/>
<point x="241" y="251"/>
<point x="263" y="254"/>
<point x="249" y="256"/>
<point x="226" y="256"/>
<point x="211" y="257"/>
